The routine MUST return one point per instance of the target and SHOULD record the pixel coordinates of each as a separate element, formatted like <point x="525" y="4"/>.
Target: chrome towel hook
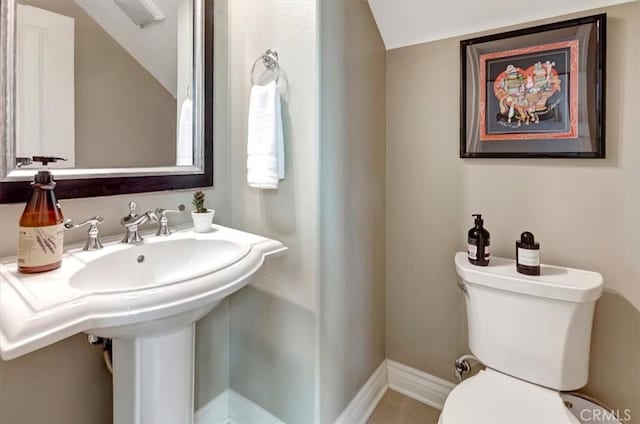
<point x="269" y="61"/>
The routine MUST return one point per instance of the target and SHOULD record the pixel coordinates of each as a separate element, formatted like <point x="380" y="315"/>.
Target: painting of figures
<point x="530" y="93"/>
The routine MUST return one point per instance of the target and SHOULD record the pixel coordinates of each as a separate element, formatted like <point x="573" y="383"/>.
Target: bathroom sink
<point x="156" y="264"/>
<point x="146" y="297"/>
<point x="126" y="290"/>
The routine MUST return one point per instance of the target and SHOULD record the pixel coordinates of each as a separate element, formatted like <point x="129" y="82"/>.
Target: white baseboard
<point x="419" y="385"/>
<point x="230" y="407"/>
<point x="367" y="398"/>
<point x="416" y="384"/>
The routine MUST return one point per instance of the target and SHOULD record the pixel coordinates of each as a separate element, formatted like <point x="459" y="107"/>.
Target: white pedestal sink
<point x="145" y="297"/>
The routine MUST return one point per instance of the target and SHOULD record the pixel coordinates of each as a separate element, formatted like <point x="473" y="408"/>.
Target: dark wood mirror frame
<point x="18" y="191"/>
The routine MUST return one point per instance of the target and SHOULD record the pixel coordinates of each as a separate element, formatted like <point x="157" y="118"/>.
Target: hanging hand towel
<point x="265" y="142"/>
<point x="184" y="156"/>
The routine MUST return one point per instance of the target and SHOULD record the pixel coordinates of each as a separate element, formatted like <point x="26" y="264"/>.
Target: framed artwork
<point x="536" y="92"/>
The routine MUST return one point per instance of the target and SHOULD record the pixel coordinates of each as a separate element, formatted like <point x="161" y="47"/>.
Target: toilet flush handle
<point x="463" y="366"/>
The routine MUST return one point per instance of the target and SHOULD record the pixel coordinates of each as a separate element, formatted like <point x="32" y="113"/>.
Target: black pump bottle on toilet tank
<point x="478" y="250"/>
<point x="528" y="254"/>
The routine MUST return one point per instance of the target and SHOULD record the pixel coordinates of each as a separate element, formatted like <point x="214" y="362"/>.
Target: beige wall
<point x="329" y="210"/>
<point x="584" y="212"/>
<point x="124" y="116"/>
<point x="273" y="320"/>
<point x="66" y="382"/>
<point x="352" y="157"/>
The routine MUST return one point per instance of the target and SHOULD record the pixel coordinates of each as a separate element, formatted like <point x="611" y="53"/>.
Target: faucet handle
<point x="161" y="212"/>
<point x="163" y="229"/>
<point x="132" y="209"/>
<point x="95" y="221"/>
<point x="93" y="242"/>
<point x="129" y="219"/>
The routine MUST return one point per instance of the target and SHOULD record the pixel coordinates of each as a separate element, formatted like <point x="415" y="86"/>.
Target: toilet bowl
<point x="533" y="334"/>
<point x="491" y="397"/>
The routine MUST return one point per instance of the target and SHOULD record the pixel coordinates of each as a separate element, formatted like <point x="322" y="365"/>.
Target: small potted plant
<point x="202" y="217"/>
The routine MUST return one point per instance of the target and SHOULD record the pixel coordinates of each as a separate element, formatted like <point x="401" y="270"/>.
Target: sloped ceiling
<point x="154" y="47"/>
<point x="407" y="22"/>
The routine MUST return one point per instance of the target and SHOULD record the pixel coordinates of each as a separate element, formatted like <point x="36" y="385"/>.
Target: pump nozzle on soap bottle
<point x="478" y="244"/>
<point x="40" y="234"/>
<point x="44" y="160"/>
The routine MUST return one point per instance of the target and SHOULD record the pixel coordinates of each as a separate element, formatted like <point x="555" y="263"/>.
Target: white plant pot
<point x="202" y="221"/>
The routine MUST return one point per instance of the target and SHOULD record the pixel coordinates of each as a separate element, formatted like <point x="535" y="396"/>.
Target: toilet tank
<point x="536" y="328"/>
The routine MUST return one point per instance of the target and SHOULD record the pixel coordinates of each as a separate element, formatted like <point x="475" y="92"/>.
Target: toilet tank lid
<point x="554" y="282"/>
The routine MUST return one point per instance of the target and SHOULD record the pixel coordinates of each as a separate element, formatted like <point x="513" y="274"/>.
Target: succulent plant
<point x="198" y="202"/>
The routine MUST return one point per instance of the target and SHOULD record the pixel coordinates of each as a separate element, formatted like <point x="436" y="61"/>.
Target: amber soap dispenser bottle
<point x="40" y="236"/>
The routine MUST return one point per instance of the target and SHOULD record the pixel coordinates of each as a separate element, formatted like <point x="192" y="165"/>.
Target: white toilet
<point x="532" y="333"/>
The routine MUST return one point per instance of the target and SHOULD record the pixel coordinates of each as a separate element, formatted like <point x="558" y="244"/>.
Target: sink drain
<point x="140" y="259"/>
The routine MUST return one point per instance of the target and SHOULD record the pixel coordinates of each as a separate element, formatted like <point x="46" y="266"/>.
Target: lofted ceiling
<point x="407" y="22"/>
<point x="154" y="47"/>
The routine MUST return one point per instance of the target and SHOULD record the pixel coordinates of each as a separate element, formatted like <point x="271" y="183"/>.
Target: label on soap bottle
<point x="472" y="251"/>
<point x="39" y="246"/>
<point x="528" y="257"/>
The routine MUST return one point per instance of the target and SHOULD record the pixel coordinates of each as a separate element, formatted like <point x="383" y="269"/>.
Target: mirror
<point x="120" y="88"/>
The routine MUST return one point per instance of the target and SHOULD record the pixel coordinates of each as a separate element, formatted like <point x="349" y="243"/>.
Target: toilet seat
<point x="494" y="398"/>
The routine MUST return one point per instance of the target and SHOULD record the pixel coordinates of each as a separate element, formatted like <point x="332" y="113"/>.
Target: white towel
<point x="265" y="142"/>
<point x="184" y="153"/>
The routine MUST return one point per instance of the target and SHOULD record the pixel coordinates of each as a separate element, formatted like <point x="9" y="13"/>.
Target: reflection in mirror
<point x="105" y="83"/>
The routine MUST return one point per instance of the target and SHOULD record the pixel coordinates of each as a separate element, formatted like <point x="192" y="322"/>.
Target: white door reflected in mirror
<point x="45" y="86"/>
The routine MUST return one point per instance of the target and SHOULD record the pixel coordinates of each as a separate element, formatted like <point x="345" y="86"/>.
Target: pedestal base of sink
<point x="153" y="378"/>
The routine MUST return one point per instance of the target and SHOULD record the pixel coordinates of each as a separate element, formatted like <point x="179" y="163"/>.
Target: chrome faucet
<point x="161" y="214"/>
<point x="132" y="221"/>
<point x="93" y="242"/>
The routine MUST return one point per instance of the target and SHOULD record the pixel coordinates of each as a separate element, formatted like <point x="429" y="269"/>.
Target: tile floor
<point x="395" y="408"/>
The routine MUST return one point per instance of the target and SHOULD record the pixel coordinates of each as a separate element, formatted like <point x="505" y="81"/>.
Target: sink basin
<point x="145" y="297"/>
<point x="156" y="264"/>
